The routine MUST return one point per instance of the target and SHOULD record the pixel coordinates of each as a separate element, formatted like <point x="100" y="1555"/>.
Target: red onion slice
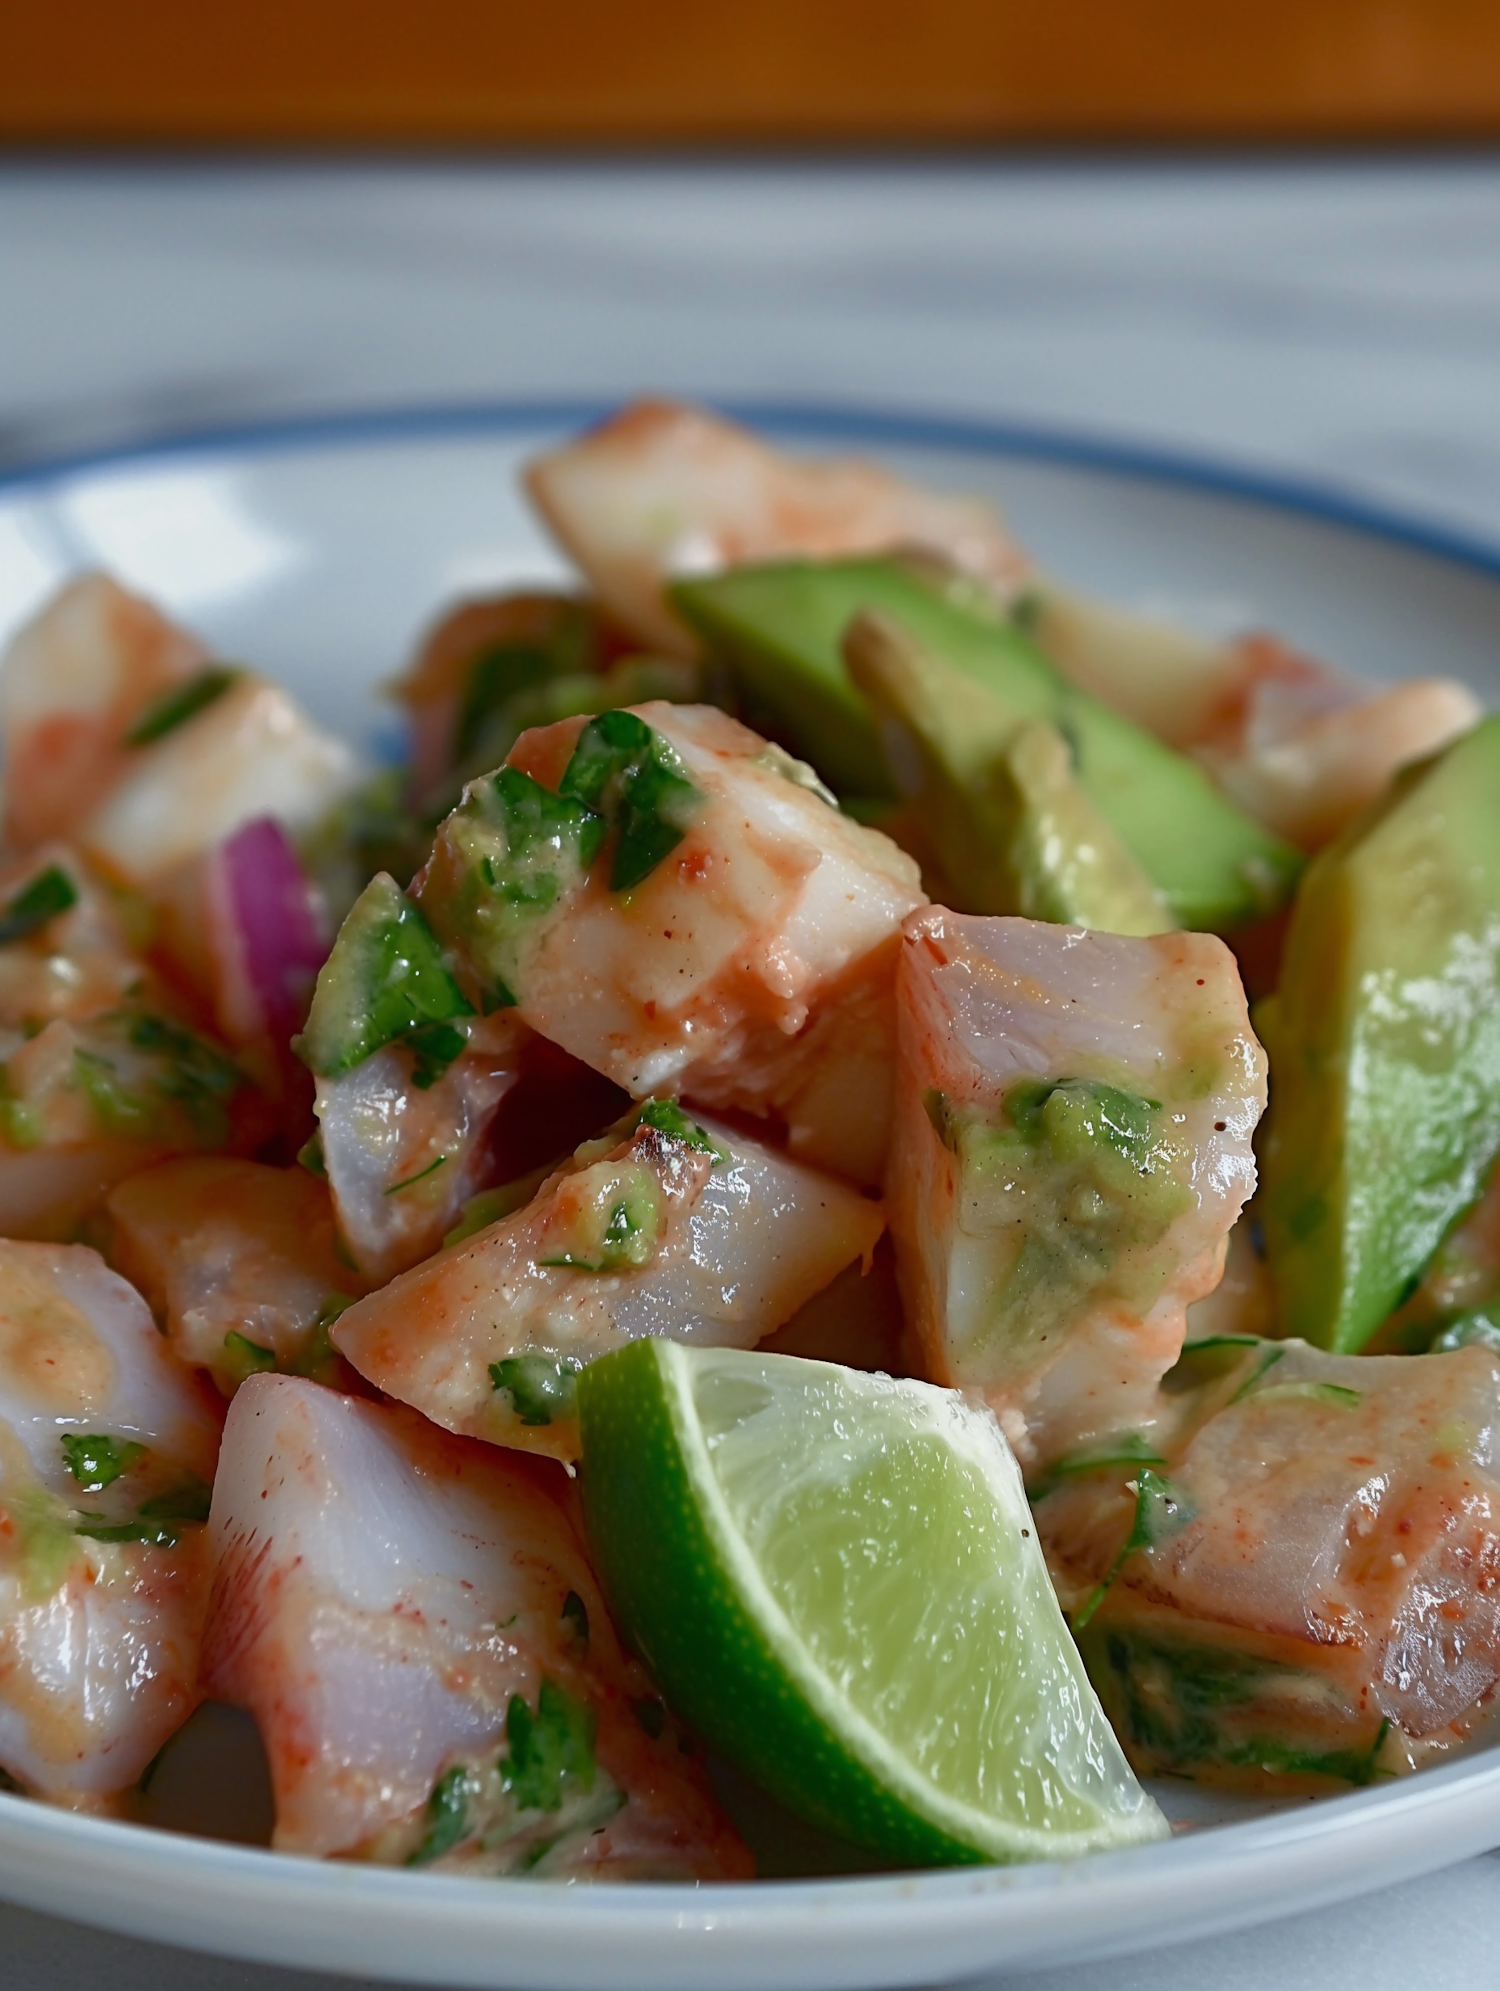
<point x="279" y="914"/>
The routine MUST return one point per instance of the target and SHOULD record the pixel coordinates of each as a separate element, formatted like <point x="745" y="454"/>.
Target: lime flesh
<point x="835" y="1579"/>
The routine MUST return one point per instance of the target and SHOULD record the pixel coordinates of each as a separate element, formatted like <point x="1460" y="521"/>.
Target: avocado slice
<point x="1013" y="828"/>
<point x="1384" y="1037"/>
<point x="780" y="627"/>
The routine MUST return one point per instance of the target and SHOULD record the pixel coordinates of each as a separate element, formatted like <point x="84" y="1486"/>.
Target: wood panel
<point x="665" y="71"/>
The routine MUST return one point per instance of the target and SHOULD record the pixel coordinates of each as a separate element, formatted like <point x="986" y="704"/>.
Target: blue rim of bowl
<point x="820" y="421"/>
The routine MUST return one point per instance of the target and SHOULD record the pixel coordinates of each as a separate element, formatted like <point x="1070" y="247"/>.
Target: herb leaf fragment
<point x="97" y="1460"/>
<point x="43" y="898"/>
<point x="551" y="1752"/>
<point x="634" y="778"/>
<point x="174" y="707"/>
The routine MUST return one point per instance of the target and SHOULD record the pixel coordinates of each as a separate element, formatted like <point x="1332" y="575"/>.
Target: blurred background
<point x="1267" y="232"/>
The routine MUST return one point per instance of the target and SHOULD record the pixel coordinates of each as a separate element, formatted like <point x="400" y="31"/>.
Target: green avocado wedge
<point x="780" y="628"/>
<point x="1014" y="829"/>
<point x="1384" y="1038"/>
<point x="834" y="1577"/>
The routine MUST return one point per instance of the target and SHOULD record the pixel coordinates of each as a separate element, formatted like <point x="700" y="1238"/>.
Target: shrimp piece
<point x="106" y="1456"/>
<point x="72" y="684"/>
<point x="403" y="1158"/>
<point x="1308" y="1585"/>
<point x="1072" y="1147"/>
<point x="66" y="947"/>
<point x="412" y="1622"/>
<point x="248" y="751"/>
<point x="96" y="1076"/>
<point x="678" y="1229"/>
<point x="240" y="1263"/>
<point x="662" y="489"/>
<point x="1300" y="746"/>
<point x="748" y="967"/>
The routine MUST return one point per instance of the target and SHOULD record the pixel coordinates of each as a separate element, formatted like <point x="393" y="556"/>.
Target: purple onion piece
<point x="279" y="916"/>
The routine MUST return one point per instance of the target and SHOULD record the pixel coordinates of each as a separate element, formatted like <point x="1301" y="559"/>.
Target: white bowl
<point x="318" y="550"/>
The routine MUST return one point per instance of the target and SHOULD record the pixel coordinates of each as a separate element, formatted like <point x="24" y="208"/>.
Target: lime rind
<point x="686" y="1581"/>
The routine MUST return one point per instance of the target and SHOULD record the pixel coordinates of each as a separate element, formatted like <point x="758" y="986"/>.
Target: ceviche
<point x="859" y="1168"/>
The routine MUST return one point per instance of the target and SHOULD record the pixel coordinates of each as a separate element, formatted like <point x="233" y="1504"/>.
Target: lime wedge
<point x="835" y="1579"/>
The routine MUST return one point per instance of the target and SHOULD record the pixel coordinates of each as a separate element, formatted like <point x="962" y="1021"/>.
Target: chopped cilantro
<point x="1128" y="1449"/>
<point x="668" y="1118"/>
<point x="245" y="1358"/>
<point x="182" y="702"/>
<point x="189" y="1500"/>
<point x="635" y="779"/>
<point x="506" y="856"/>
<point x="551" y="1752"/>
<point x="96" y="1460"/>
<point x="447" y="1817"/>
<point x="541" y="1388"/>
<point x="385" y="979"/>
<point x="49" y="893"/>
<point x="421" y="1176"/>
<point x="1159" y="1512"/>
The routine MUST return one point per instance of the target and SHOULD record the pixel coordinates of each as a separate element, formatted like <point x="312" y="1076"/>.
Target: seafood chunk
<point x="72" y="685"/>
<point x="677" y="1229"/>
<point x="106" y="1458"/>
<point x="403" y="1158"/>
<point x="1072" y="1147"/>
<point x="412" y="1622"/>
<point x="240" y="1262"/>
<point x="1300" y="1578"/>
<point x="663" y="489"/>
<point x="675" y="902"/>
<point x="122" y="736"/>
<point x="97" y="1077"/>
<point x="245" y="750"/>
<point x="65" y="943"/>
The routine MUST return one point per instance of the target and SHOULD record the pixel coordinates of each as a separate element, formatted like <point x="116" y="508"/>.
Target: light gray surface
<point x="1341" y="320"/>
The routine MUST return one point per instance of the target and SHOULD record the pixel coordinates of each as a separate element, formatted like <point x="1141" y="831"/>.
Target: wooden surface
<point x="666" y="71"/>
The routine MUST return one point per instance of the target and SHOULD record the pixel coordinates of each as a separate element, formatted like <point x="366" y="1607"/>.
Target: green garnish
<point x="49" y="893"/>
<point x="117" y="1108"/>
<point x="311" y="1157"/>
<point x="541" y="1388"/>
<point x="189" y="1500"/>
<point x="96" y="1460"/>
<point x="551" y="1752"/>
<point x="1269" y="1357"/>
<point x="1159" y="1513"/>
<point x="447" y="1817"/>
<point x="1192" y="1704"/>
<point x="183" y="702"/>
<point x="628" y="1241"/>
<point x="1128" y="1449"/>
<point x="503" y="859"/>
<point x="1310" y="1391"/>
<point x="421" y="1176"/>
<point x="635" y="779"/>
<point x="668" y="1118"/>
<point x="1076" y="1109"/>
<point x="385" y="979"/>
<point x="245" y="1357"/>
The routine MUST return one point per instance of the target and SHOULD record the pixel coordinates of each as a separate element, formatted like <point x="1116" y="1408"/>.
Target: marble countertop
<point x="1340" y="320"/>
